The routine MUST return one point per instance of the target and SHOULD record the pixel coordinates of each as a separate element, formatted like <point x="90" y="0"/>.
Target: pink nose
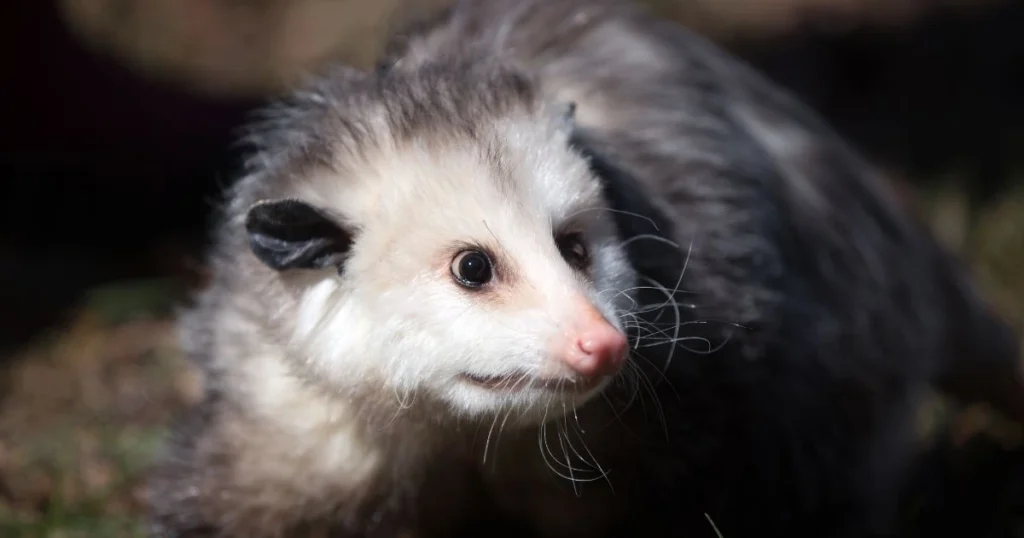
<point x="599" y="350"/>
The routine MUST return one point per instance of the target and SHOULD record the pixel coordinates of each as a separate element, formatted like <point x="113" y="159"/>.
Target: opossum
<point x="562" y="268"/>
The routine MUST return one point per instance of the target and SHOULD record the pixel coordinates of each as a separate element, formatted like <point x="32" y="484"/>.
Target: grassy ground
<point x="83" y="410"/>
<point x="82" y="415"/>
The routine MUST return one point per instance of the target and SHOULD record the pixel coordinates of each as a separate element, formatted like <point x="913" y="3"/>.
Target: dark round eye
<point x="574" y="250"/>
<point x="472" y="268"/>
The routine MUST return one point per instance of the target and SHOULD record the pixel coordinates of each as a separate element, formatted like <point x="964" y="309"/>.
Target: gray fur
<point x="829" y="308"/>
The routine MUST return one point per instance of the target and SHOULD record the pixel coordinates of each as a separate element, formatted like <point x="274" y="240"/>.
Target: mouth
<point x="520" y="382"/>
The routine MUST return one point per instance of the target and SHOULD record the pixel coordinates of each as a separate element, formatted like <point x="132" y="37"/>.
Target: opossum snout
<point x="595" y="347"/>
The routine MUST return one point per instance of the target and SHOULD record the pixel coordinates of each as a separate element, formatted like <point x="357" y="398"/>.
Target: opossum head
<point x="437" y="239"/>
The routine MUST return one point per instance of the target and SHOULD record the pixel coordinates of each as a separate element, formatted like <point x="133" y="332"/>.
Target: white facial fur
<point x="397" y="319"/>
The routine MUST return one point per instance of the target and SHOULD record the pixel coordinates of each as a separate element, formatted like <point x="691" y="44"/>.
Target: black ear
<point x="289" y="234"/>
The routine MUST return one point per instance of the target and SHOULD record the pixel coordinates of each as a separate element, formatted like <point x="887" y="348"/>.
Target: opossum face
<point x="483" y="272"/>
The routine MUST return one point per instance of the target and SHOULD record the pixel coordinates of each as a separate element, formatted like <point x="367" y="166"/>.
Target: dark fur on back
<point x="812" y="312"/>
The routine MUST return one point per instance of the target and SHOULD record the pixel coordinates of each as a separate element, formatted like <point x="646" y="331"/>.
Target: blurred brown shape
<point x="248" y="47"/>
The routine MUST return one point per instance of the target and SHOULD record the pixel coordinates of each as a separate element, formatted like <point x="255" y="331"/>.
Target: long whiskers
<point x="568" y="471"/>
<point x="524" y="377"/>
<point x="619" y="211"/>
<point x="579" y="431"/>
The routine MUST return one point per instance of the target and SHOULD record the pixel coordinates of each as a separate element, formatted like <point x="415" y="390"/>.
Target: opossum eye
<point x="472" y="268"/>
<point x="289" y="234"/>
<point x="574" y="250"/>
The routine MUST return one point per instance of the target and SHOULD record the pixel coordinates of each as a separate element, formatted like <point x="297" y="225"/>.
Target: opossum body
<point x="421" y="288"/>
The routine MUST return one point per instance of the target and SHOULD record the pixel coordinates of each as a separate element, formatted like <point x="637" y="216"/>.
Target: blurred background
<point x="117" y="128"/>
